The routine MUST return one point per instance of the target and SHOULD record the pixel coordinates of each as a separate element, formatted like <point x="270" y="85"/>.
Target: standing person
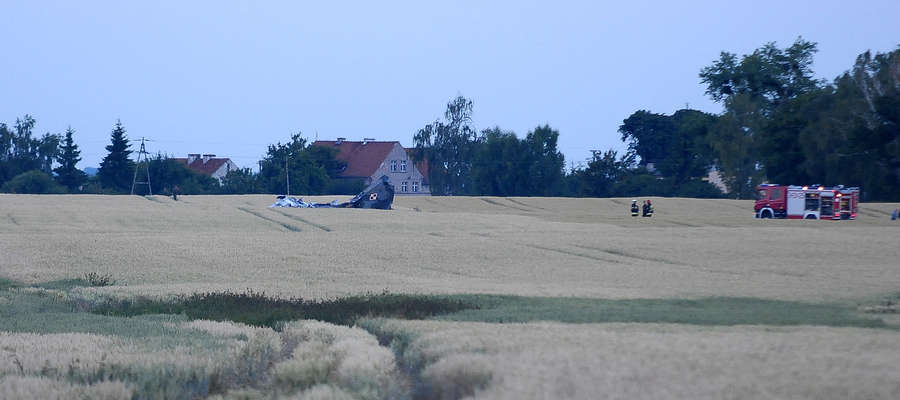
<point x="648" y="209"/>
<point x="634" y="208"/>
<point x="175" y="193"/>
<point x="895" y="215"/>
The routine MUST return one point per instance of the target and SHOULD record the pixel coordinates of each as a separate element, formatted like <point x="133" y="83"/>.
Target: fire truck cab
<point x="806" y="202"/>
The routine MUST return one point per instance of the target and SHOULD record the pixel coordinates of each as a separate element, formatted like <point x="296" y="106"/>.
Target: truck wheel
<point x="810" y="216"/>
<point x="765" y="214"/>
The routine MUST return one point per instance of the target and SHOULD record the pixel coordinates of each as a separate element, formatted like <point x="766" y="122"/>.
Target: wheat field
<point x="648" y="361"/>
<point x="563" y="248"/>
<point x="155" y="246"/>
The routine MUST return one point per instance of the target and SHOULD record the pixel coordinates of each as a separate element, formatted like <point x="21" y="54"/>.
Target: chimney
<point x="193" y="157"/>
<point x="340" y="140"/>
<point x="367" y="140"/>
<point x="206" y="157"/>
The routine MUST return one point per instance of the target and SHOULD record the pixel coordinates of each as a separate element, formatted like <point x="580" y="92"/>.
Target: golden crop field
<point x="524" y="246"/>
<point x="650" y="361"/>
<point x="710" y="261"/>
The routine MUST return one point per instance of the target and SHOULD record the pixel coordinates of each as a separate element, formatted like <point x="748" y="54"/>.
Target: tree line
<point x="27" y="166"/>
<point x="779" y="124"/>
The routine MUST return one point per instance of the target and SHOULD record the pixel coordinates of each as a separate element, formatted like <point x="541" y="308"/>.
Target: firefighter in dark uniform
<point x="648" y="209"/>
<point x="634" y="208"/>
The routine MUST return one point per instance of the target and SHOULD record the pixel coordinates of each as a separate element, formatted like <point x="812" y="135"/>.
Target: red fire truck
<point x="806" y="202"/>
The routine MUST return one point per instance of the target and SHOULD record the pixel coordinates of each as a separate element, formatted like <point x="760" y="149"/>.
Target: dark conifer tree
<point x="117" y="170"/>
<point x="67" y="174"/>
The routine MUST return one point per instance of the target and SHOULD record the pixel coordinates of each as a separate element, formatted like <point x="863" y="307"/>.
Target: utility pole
<point x="142" y="153"/>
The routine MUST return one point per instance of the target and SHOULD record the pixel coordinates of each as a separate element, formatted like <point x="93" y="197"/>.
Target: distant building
<point x="369" y="160"/>
<point x="208" y="164"/>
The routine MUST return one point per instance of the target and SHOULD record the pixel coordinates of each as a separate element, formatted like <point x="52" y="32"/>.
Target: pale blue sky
<point x="229" y="77"/>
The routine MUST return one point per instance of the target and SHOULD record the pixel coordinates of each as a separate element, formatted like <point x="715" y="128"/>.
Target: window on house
<point x="403" y="187"/>
<point x="393" y="165"/>
<point x="402" y="165"/>
<point x="415" y="186"/>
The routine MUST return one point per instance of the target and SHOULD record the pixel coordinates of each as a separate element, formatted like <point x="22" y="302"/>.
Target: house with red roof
<point x="370" y="159"/>
<point x="208" y="164"/>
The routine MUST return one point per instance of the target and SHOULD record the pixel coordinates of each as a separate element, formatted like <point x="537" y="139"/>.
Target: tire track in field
<point x="625" y="254"/>
<point x="303" y="220"/>
<point x="12" y="219"/>
<point x="574" y="254"/>
<point x="684" y="224"/>
<point x="524" y="204"/>
<point x="496" y="203"/>
<point x="659" y="260"/>
<point x="289" y="227"/>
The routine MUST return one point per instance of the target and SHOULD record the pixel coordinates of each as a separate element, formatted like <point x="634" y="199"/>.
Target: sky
<point x="232" y="77"/>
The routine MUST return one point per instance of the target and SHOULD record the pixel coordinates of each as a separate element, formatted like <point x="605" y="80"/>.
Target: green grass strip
<point x="703" y="311"/>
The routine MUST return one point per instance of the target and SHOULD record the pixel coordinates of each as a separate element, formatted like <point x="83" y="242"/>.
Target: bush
<point x="33" y="182"/>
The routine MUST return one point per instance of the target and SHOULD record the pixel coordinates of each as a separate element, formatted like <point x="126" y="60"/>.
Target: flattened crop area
<point x="517" y="246"/>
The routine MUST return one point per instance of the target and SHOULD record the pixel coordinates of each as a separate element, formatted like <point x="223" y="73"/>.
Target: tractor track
<point x="574" y="254"/>
<point x="303" y="220"/>
<point x="524" y="204"/>
<point x="489" y="201"/>
<point x="630" y="255"/>
<point x="289" y="227"/>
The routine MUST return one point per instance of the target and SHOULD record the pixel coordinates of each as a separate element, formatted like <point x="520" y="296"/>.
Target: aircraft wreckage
<point x="380" y="195"/>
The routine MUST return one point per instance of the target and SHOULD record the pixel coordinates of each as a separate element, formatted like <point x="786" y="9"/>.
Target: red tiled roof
<point x="362" y="160"/>
<point x="208" y="168"/>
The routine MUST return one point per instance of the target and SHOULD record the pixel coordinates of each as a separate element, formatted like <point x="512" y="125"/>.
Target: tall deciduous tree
<point x="769" y="76"/>
<point x="754" y="91"/>
<point x="545" y="162"/>
<point x="20" y="152"/>
<point x="499" y="164"/>
<point x="677" y="145"/>
<point x="67" y="174"/>
<point x="117" y="170"/>
<point x="448" y="146"/>
<point x="854" y="137"/>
